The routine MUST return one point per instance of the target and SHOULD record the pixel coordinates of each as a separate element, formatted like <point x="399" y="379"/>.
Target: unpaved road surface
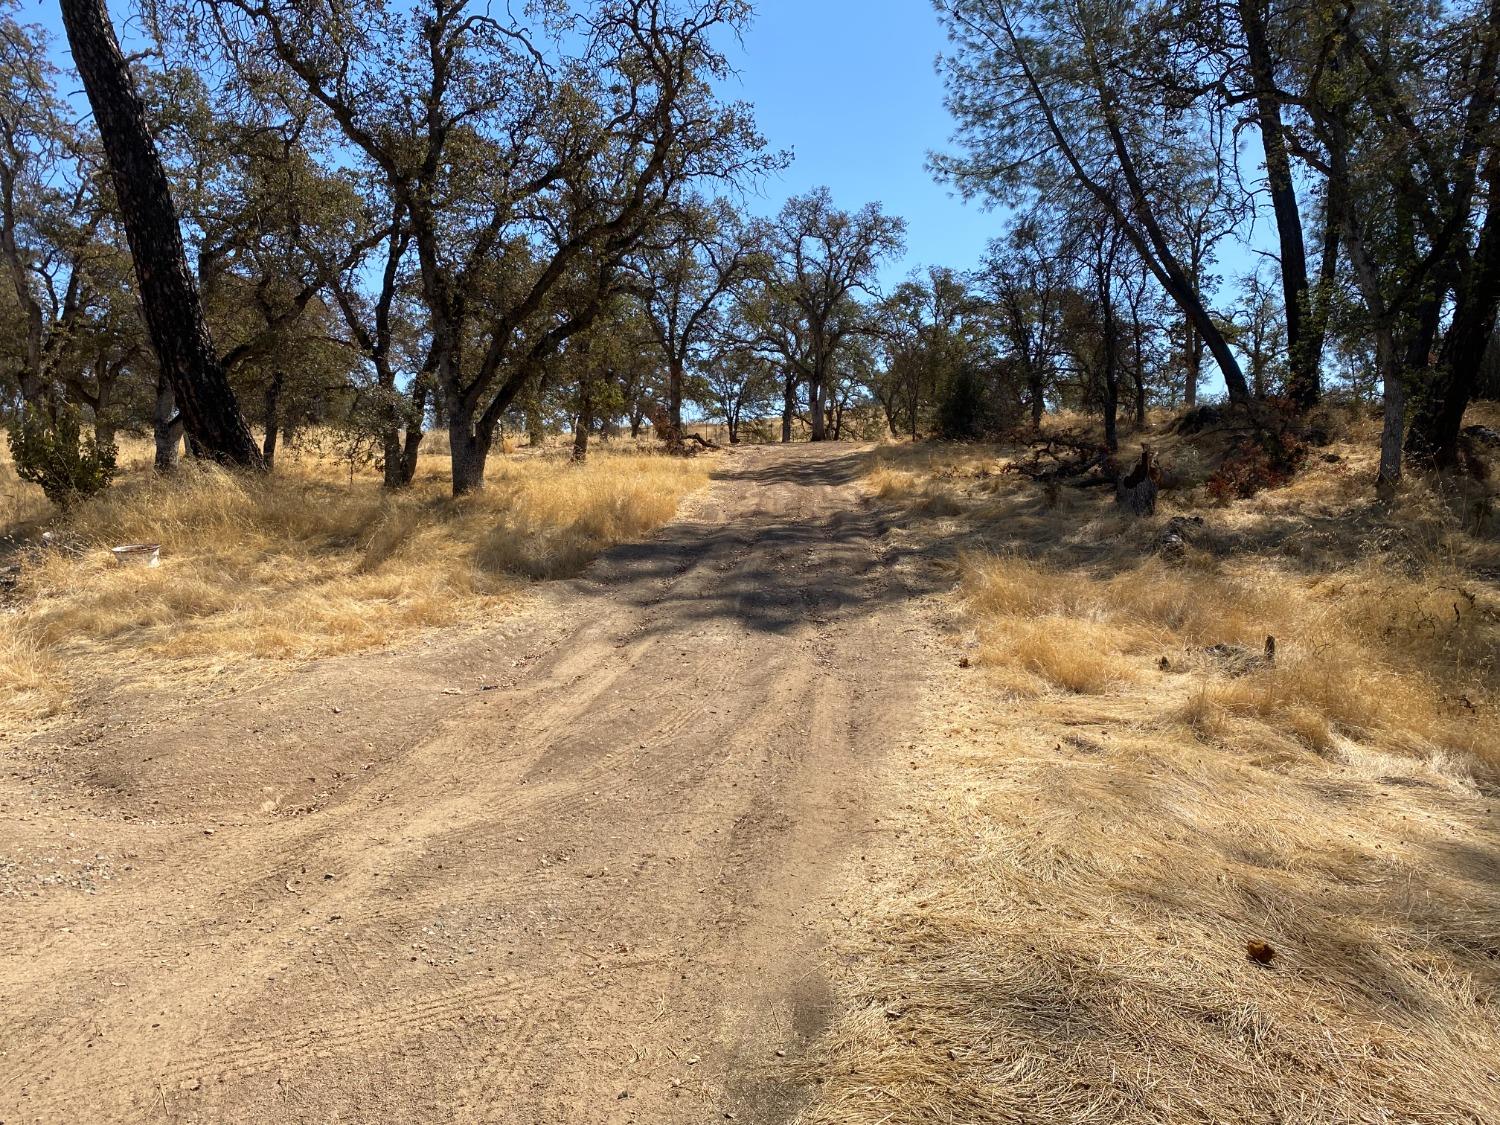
<point x="576" y="867"/>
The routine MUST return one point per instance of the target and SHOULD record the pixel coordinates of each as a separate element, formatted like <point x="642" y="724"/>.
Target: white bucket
<point x="137" y="554"/>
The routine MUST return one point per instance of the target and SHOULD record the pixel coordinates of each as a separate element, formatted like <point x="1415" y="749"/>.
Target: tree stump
<point x="1137" y="491"/>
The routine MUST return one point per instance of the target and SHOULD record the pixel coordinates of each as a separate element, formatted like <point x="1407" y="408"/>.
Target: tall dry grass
<point x="1092" y="837"/>
<point x="299" y="564"/>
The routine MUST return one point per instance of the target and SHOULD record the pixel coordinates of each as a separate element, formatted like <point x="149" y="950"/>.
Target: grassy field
<point x="300" y="564"/>
<point x="1152" y="877"/>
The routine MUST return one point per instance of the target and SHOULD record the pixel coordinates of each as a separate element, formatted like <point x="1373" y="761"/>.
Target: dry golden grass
<point x="300" y="564"/>
<point x="1094" y="839"/>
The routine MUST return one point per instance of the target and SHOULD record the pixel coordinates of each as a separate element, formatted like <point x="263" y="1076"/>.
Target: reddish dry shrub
<point x="1269" y="459"/>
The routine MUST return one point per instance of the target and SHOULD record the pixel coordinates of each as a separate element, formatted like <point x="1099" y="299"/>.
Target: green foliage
<point x="972" y="407"/>
<point x="69" y="465"/>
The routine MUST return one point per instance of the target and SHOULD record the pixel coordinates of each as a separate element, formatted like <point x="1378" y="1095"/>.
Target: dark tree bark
<point x="273" y="420"/>
<point x="1138" y="490"/>
<point x="1194" y="357"/>
<point x="788" y="408"/>
<point x="1304" y="331"/>
<point x="674" y="401"/>
<point x="585" y="420"/>
<point x="470" y="452"/>
<point x="1138" y="369"/>
<point x="1438" y="418"/>
<point x="1111" y="380"/>
<point x="816" y="389"/>
<point x="412" y="445"/>
<point x="168" y="297"/>
<point x="581" y="427"/>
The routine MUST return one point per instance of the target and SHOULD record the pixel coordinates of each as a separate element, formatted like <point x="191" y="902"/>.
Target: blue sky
<point x="850" y="86"/>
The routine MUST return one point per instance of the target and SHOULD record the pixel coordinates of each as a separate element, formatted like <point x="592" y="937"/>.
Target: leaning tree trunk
<point x="168" y="297"/>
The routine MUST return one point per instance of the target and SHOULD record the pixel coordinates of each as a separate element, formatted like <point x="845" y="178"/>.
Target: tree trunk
<point x="1304" y="340"/>
<point x="167" y="424"/>
<point x="788" y="408"/>
<point x="674" y="402"/>
<point x="391" y="461"/>
<point x="392" y="453"/>
<point x="469" y="453"/>
<point x="815" y="410"/>
<point x="1138" y="490"/>
<point x="273" y="420"/>
<point x="104" y="431"/>
<point x="412" y="443"/>
<point x="1194" y="356"/>
<point x="1394" y="426"/>
<point x="585" y="421"/>
<point x="1111" y="401"/>
<point x="1138" y="372"/>
<point x="168" y="297"/>
<point x="1439" y="416"/>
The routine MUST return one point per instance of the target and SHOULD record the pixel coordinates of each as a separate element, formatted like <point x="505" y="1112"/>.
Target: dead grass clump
<point x="551" y="525"/>
<point x="1074" y="654"/>
<point x="30" y="679"/>
<point x="22" y="506"/>
<point x="300" y="564"/>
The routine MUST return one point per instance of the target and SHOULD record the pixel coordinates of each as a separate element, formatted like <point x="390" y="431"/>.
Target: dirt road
<point x="573" y="868"/>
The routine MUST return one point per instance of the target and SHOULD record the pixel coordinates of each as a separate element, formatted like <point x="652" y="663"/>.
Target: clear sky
<point x="850" y="87"/>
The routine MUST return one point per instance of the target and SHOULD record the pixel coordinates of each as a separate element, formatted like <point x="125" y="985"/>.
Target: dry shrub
<point x="300" y="564"/>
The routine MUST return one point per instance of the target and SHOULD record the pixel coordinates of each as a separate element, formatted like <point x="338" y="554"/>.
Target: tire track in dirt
<point x="538" y="907"/>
